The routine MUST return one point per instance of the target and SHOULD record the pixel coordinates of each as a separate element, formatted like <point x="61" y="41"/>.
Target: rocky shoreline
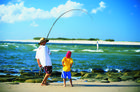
<point x="97" y="75"/>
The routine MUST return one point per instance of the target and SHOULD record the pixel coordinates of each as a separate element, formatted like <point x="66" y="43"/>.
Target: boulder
<point x="115" y="79"/>
<point x="105" y="81"/>
<point x="89" y="75"/>
<point x="125" y="78"/>
<point x="30" y="81"/>
<point x="7" y="79"/>
<point x="75" y="74"/>
<point x="97" y="70"/>
<point x="20" y="79"/>
<point x="83" y="73"/>
<point x="56" y="74"/>
<point x="56" y="79"/>
<point x="28" y="74"/>
<point x="138" y="80"/>
<point x="90" y="80"/>
<point x="99" y="76"/>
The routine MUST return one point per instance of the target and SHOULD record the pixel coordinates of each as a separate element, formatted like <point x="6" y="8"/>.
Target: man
<point x="44" y="60"/>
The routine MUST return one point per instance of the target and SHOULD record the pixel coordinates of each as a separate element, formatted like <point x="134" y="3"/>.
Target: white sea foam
<point x="61" y="50"/>
<point x="4" y="45"/>
<point x="137" y="50"/>
<point x="106" y="70"/>
<point x="72" y="50"/>
<point x="17" y="46"/>
<point x="122" y="50"/>
<point x="88" y="50"/>
<point x="35" y="50"/>
<point x="125" y="50"/>
<point x="55" y="50"/>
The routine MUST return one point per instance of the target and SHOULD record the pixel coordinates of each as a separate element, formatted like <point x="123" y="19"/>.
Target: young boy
<point x="67" y="64"/>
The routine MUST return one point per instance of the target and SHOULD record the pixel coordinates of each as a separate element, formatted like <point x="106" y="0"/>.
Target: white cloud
<point x="18" y="12"/>
<point x="34" y="24"/>
<point x="102" y="6"/>
<point x="56" y="11"/>
<point x="11" y="13"/>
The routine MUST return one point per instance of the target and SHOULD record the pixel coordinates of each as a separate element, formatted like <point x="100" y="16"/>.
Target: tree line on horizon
<point x="60" y="38"/>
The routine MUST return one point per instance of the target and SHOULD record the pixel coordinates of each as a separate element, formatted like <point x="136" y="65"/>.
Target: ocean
<point x="21" y="56"/>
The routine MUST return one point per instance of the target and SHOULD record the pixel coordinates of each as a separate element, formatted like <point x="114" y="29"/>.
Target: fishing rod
<point x="63" y="14"/>
<point x="41" y="69"/>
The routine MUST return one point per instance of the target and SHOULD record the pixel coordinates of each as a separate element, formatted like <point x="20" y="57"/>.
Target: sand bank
<point x="79" y="86"/>
<point x="80" y="42"/>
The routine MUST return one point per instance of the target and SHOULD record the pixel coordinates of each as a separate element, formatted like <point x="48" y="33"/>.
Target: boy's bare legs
<point x="71" y="82"/>
<point x="64" y="82"/>
<point x="45" y="79"/>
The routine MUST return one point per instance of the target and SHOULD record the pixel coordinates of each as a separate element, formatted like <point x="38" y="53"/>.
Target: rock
<point x="3" y="79"/>
<point x="30" y="81"/>
<point x="112" y="74"/>
<point x="126" y="70"/>
<point x="28" y="74"/>
<point x="28" y="77"/>
<point x="125" y="78"/>
<point x="127" y="73"/>
<point x="75" y="74"/>
<point x="83" y="73"/>
<point x="56" y="74"/>
<point x="97" y="70"/>
<point x="25" y="70"/>
<point x="56" y="79"/>
<point x="138" y="80"/>
<point x="89" y="75"/>
<point x="136" y="76"/>
<point x="115" y="79"/>
<point x="38" y="80"/>
<point x="99" y="76"/>
<point x="7" y="79"/>
<point x="91" y="80"/>
<point x="7" y="76"/>
<point x="105" y="81"/>
<point x="20" y="79"/>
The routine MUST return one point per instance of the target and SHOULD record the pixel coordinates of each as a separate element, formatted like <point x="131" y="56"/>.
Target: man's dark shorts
<point x="48" y="69"/>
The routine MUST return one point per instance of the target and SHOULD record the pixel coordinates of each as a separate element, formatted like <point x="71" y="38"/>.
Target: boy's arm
<point x="63" y="63"/>
<point x="39" y="63"/>
<point x="71" y="65"/>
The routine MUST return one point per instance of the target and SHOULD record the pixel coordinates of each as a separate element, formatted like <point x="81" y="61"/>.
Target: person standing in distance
<point x="44" y="60"/>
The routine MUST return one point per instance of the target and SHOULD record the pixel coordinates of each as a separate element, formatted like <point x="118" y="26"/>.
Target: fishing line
<point x="64" y="14"/>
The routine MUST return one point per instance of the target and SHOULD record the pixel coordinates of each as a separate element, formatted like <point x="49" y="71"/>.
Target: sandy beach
<point x="80" y="42"/>
<point x="79" y="86"/>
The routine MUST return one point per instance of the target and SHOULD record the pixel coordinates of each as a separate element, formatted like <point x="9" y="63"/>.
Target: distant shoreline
<point x="77" y="42"/>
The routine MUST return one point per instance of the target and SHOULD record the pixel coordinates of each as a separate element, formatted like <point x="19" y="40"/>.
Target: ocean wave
<point x="137" y="50"/>
<point x="89" y="50"/>
<point x="117" y="70"/>
<point x="55" y="50"/>
<point x="4" y="45"/>
<point x="34" y="49"/>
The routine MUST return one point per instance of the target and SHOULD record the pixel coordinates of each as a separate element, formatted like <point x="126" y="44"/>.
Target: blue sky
<point x="111" y="19"/>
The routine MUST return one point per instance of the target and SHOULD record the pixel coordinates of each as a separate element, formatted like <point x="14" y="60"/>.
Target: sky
<point x="102" y="19"/>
